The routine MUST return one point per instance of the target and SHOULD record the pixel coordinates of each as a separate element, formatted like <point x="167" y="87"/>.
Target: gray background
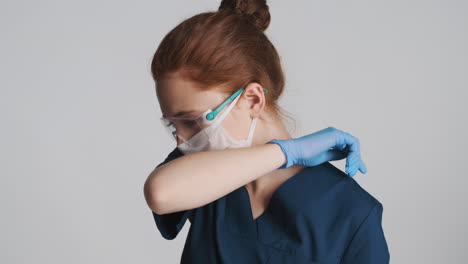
<point x="80" y="131"/>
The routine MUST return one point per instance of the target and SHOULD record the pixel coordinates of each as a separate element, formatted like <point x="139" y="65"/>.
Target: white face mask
<point x="215" y="137"/>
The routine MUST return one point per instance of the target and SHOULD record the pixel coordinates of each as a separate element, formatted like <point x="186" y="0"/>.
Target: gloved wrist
<point x="284" y="147"/>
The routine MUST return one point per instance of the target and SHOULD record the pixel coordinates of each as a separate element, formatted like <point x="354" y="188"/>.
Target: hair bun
<point x="256" y="10"/>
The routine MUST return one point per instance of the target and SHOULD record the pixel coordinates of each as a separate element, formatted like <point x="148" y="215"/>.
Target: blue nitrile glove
<point x="322" y="146"/>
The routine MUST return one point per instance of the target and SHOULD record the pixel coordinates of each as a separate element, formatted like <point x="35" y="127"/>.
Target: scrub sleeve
<point x="169" y="225"/>
<point x="368" y="245"/>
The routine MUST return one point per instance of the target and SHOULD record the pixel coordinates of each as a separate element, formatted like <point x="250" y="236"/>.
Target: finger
<point x="353" y="145"/>
<point x="352" y="166"/>
<point x="352" y="169"/>
<point x="351" y="162"/>
<point x="363" y="167"/>
<point x="354" y="148"/>
<point x="359" y="166"/>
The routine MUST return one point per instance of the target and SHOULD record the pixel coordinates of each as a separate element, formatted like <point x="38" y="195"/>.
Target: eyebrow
<point x="189" y="113"/>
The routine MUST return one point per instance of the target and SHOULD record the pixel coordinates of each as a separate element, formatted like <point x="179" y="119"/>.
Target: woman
<point x="252" y="193"/>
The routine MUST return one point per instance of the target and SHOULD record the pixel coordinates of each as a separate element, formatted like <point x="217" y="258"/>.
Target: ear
<point x="253" y="99"/>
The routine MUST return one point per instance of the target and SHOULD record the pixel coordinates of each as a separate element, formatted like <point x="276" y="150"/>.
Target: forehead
<point x="176" y="95"/>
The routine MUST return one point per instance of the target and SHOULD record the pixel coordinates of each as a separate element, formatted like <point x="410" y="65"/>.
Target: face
<point x="178" y="97"/>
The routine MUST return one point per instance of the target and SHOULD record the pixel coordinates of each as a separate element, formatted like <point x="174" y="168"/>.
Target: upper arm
<point x="169" y="225"/>
<point x="149" y="188"/>
<point x="368" y="244"/>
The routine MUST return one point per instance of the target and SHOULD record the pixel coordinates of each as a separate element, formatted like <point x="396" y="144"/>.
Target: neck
<point x="270" y="128"/>
<point x="265" y="132"/>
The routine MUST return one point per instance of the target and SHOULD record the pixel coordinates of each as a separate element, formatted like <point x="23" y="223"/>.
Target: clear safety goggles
<point x="185" y="128"/>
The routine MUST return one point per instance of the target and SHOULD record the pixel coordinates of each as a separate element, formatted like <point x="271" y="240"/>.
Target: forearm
<point x="199" y="178"/>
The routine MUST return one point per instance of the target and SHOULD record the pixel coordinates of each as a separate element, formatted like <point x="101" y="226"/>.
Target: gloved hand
<point x="322" y="146"/>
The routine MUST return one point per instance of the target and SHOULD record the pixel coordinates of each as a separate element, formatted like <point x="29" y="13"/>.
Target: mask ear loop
<point x="252" y="130"/>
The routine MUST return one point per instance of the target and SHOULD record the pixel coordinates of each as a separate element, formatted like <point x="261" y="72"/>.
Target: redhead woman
<point x="252" y="192"/>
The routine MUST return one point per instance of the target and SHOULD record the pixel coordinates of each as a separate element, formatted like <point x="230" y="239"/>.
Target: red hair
<point x="225" y="48"/>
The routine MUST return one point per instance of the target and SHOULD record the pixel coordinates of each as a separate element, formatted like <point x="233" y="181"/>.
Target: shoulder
<point x="330" y="179"/>
<point x="334" y="202"/>
<point x="336" y="194"/>
<point x="355" y="216"/>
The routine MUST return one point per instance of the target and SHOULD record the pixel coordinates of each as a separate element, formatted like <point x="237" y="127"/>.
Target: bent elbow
<point x="153" y="197"/>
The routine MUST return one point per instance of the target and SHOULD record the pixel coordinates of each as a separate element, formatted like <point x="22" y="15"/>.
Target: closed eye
<point x="190" y="123"/>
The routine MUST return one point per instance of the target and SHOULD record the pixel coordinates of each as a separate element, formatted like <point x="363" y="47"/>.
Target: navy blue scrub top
<point x="319" y="215"/>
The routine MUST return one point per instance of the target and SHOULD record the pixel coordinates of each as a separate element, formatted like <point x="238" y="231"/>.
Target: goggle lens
<point x="184" y="128"/>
